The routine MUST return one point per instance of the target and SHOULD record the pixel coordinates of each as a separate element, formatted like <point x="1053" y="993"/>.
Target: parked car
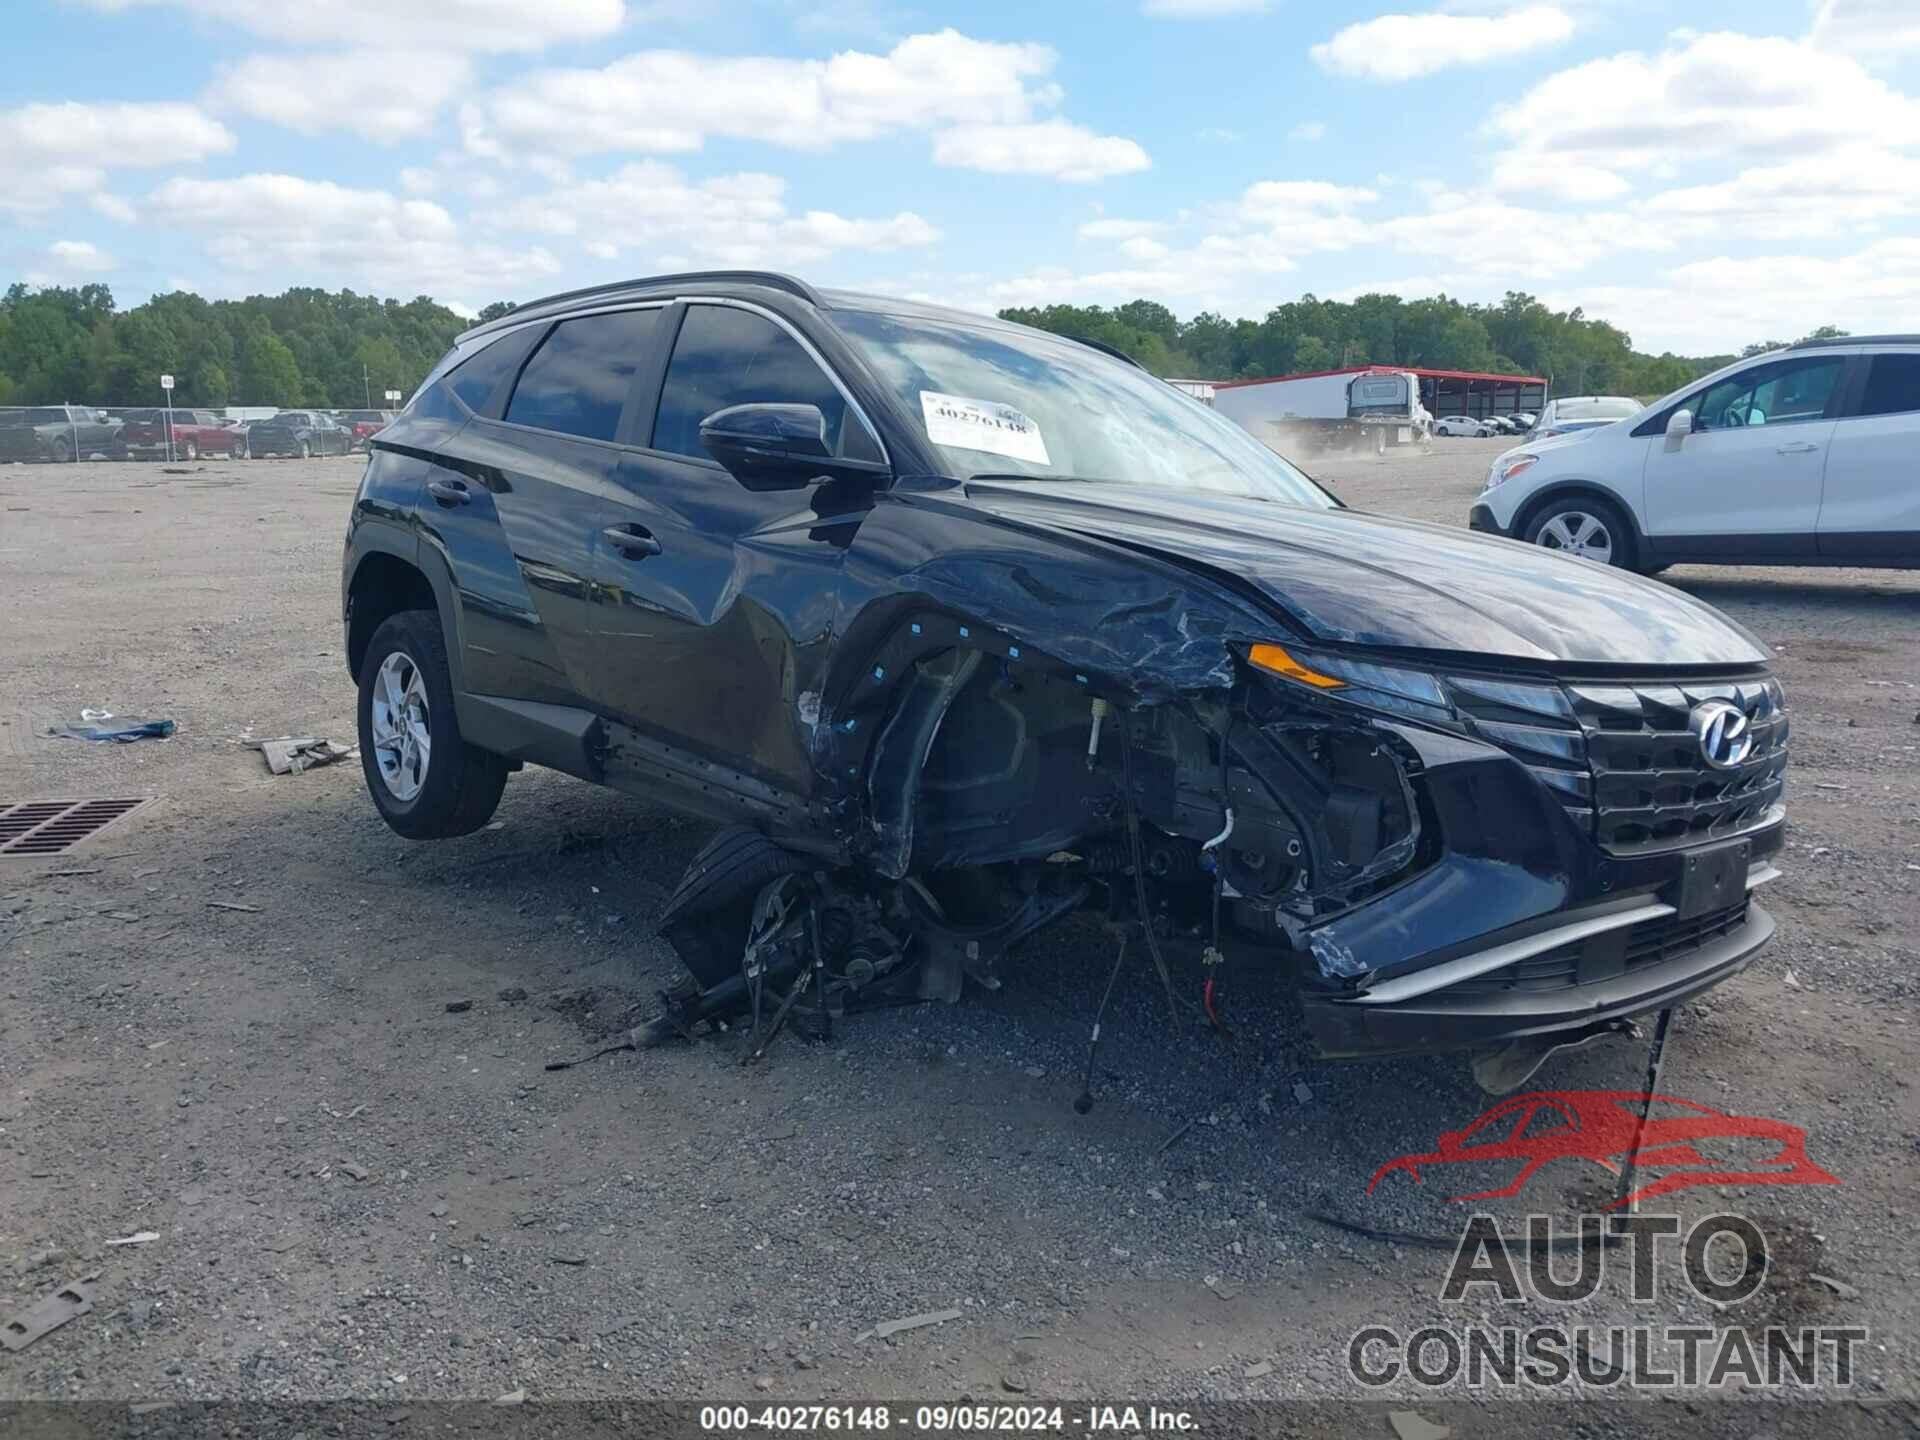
<point x="1462" y="425"/>
<point x="195" y="433"/>
<point x="1803" y="456"/>
<point x="298" y="433"/>
<point x="363" y="424"/>
<point x="58" y="433"/>
<point x="959" y="626"/>
<point x="1523" y="420"/>
<point x="1577" y="413"/>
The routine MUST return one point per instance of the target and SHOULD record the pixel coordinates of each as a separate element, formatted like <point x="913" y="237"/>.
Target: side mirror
<point x="1679" y="426"/>
<point x="774" y="446"/>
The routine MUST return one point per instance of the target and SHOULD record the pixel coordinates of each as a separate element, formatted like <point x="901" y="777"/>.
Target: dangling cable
<point x="1140" y="879"/>
<point x="1085" y="1101"/>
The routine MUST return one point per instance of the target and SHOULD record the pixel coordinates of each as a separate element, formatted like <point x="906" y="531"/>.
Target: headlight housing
<point x="1508" y="466"/>
<point x="1393" y="688"/>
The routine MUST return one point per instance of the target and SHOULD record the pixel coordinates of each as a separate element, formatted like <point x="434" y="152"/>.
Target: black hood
<point x="1351" y="578"/>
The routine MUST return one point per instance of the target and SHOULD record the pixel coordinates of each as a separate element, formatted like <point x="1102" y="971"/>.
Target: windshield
<point x="1019" y="403"/>
<point x="1599" y="408"/>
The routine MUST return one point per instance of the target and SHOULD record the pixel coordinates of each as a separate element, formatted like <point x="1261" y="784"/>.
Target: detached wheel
<point x="427" y="782"/>
<point x="1589" y="528"/>
<point x="709" y="914"/>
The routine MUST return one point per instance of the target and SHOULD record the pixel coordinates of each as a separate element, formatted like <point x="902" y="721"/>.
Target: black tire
<point x="708" y="915"/>
<point x="63" y="453"/>
<point x="1623" y="548"/>
<point x="463" y="782"/>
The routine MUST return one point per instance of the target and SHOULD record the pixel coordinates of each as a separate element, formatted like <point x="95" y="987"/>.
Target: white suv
<point x="1804" y="456"/>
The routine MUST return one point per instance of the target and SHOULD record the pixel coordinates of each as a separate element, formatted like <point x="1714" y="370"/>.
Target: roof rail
<point x="1855" y="340"/>
<point x="773" y="279"/>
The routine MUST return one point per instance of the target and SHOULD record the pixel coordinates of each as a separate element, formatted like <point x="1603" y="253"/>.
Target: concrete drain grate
<point x="32" y="828"/>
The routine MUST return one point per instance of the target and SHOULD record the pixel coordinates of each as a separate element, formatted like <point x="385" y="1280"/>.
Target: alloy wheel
<point x="402" y="732"/>
<point x="1577" y="533"/>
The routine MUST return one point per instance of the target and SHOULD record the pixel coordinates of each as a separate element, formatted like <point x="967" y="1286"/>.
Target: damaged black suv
<point x="958" y="626"/>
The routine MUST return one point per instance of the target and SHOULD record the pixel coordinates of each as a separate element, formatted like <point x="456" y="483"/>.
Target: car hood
<point x="1349" y="577"/>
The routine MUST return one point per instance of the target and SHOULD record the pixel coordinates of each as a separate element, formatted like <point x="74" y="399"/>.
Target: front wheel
<point x="306" y="450"/>
<point x="426" y="781"/>
<point x="1589" y="528"/>
<point x="63" y="453"/>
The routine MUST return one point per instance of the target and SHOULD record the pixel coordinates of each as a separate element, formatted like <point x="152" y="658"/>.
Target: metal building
<point x="1443" y="392"/>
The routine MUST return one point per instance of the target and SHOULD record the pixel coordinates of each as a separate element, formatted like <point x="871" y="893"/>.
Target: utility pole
<point x="367" y="385"/>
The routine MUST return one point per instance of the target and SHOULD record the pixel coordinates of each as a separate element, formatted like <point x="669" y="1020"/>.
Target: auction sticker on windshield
<point x="982" y="425"/>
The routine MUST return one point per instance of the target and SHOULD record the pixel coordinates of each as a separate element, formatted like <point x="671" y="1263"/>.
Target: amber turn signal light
<point x="1276" y="659"/>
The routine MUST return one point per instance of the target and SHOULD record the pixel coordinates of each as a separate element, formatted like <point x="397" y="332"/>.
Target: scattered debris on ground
<point x="910" y="1322"/>
<point x="144" y="1237"/>
<point x="293" y="754"/>
<point x="46" y="1314"/>
<point x="123" y="732"/>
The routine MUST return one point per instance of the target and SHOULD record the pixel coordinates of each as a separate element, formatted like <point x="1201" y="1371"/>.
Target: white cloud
<point x="381" y="95"/>
<point x="737" y="219"/>
<point x="1219" y="135"/>
<point x="1056" y="148"/>
<point x="50" y="151"/>
<point x="1405" y="47"/>
<point x="1543" y="177"/>
<point x="1873" y="29"/>
<point x="1143" y="248"/>
<point x="1716" y="304"/>
<point x="661" y="101"/>
<point x="66" y="261"/>
<point x="1706" y="97"/>
<point x="1305" y="215"/>
<point x="1481" y="234"/>
<point x="418" y="180"/>
<point x="1200" y="9"/>
<point x="1837" y="194"/>
<point x="299" y="231"/>
<point x="436" y="25"/>
<point x="1308" y="130"/>
<point x="113" y="207"/>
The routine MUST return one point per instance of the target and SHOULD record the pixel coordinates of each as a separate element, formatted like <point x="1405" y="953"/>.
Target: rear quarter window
<point x="578" y="381"/>
<point x="1893" y="385"/>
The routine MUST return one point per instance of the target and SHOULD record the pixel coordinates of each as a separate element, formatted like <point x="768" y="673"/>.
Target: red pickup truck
<point x="195" y="433"/>
<point x="363" y="423"/>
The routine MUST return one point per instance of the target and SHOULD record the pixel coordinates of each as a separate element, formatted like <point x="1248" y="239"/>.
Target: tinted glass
<point x="734" y="357"/>
<point x="1770" y="395"/>
<point x="477" y="377"/>
<point x="1893" y="385"/>
<point x="1604" y="407"/>
<point x="577" y="381"/>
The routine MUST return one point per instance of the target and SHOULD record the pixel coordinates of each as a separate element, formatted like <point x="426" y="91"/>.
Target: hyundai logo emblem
<point x="1722" y="730"/>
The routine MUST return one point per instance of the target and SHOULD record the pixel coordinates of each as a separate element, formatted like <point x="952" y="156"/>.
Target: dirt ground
<point x="309" y="1055"/>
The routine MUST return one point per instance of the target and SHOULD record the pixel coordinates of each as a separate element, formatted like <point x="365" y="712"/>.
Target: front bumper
<point x="1574" y="985"/>
<point x="1480" y="518"/>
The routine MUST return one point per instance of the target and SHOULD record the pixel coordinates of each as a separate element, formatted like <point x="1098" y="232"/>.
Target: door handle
<point x="1799" y="447"/>
<point x="636" y="542"/>
<point x="450" y="492"/>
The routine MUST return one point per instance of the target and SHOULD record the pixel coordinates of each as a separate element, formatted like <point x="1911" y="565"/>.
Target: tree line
<point x="1516" y="336"/>
<point x="303" y="347"/>
<point x="315" y="347"/>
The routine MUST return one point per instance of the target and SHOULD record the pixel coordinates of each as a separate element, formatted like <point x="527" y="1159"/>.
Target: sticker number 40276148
<point x="982" y="425"/>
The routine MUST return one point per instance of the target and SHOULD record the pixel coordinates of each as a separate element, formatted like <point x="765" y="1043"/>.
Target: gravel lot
<point x="363" y="1191"/>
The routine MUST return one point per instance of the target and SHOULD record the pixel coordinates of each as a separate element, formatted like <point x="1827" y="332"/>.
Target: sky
<point x="1750" y="176"/>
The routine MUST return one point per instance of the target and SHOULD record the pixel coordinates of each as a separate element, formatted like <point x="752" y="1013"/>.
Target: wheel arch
<point x="1577" y="489"/>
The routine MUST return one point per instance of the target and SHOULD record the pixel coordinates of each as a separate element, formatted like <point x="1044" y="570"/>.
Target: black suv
<point x="958" y="626"/>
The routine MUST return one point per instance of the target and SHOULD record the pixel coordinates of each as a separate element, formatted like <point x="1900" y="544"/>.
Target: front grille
<point x="1623" y="760"/>
<point x="1603" y="957"/>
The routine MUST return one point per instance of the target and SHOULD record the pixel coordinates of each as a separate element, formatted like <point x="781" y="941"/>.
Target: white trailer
<point x="1345" y="410"/>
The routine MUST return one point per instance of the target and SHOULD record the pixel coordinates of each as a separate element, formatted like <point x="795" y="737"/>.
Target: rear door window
<point x="578" y="381"/>
<point x="727" y="356"/>
<point x="1893" y="385"/>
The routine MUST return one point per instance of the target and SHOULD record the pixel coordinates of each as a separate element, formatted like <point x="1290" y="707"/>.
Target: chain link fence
<point x="64" y="434"/>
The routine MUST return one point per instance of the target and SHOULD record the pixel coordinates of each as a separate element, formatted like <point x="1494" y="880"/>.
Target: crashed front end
<point x="1524" y="857"/>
